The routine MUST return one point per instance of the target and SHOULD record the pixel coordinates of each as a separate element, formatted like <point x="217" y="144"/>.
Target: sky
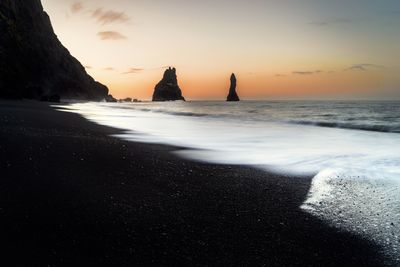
<point x="276" y="48"/>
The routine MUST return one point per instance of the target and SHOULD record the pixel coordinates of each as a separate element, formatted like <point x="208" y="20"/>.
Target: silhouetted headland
<point x="33" y="62"/>
<point x="168" y="89"/>
<point x="233" y="96"/>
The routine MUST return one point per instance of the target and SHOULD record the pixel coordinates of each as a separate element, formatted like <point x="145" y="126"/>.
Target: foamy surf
<point x="361" y="204"/>
<point x="357" y="186"/>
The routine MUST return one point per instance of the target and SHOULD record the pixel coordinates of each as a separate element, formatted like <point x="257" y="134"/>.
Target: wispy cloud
<point x="307" y="72"/>
<point x="280" y="75"/>
<point x="323" y="23"/>
<point x="109" y="69"/>
<point x="88" y="67"/>
<point x="364" y="67"/>
<point x="111" y="35"/>
<point x="76" y="7"/>
<point x="133" y="71"/>
<point x="109" y="16"/>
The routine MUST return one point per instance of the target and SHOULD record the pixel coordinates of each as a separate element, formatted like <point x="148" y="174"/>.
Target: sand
<point x="72" y="195"/>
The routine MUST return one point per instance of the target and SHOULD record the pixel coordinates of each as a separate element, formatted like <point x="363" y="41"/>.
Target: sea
<point x="350" y="148"/>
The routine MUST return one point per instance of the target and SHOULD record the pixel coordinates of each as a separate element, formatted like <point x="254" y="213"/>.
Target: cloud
<point x="88" y="67"/>
<point x="109" y="69"/>
<point x="363" y="67"/>
<point x="109" y="16"/>
<point x="76" y="7"/>
<point x="133" y="71"/>
<point x="323" y="23"/>
<point x="280" y="75"/>
<point x="303" y="72"/>
<point x="307" y="72"/>
<point x="111" y="35"/>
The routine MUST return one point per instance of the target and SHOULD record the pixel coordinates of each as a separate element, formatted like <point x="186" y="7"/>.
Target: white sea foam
<point x="369" y="207"/>
<point x="357" y="186"/>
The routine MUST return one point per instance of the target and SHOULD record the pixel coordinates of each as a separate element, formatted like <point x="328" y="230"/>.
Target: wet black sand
<point x="70" y="195"/>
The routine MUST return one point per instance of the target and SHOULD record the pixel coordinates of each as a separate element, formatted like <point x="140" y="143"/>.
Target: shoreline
<point x="72" y="194"/>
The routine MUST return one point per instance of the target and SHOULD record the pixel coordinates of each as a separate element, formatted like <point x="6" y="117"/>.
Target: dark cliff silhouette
<point x="33" y="62"/>
<point x="167" y="89"/>
<point x="233" y="96"/>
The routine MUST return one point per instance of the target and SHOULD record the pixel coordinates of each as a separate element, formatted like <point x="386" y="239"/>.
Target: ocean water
<point x="352" y="149"/>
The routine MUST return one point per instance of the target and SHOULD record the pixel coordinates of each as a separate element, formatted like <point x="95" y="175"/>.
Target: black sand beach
<point x="71" y="195"/>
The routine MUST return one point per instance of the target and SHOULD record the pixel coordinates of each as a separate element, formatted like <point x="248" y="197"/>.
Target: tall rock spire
<point x="233" y="96"/>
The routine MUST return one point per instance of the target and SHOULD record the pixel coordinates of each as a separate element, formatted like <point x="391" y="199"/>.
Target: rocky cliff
<point x="233" y="96"/>
<point x="167" y="89"/>
<point x="33" y="62"/>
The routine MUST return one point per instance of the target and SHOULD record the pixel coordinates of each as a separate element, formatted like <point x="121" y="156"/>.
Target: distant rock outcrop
<point x="167" y="89"/>
<point x="33" y="62"/>
<point x="111" y="99"/>
<point x="125" y="100"/>
<point x="233" y="96"/>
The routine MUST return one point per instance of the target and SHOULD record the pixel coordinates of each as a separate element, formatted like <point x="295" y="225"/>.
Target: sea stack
<point x="167" y="89"/>
<point x="233" y="96"/>
<point x="33" y="62"/>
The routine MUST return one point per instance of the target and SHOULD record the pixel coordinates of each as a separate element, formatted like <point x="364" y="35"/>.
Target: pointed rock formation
<point x="167" y="89"/>
<point x="33" y="62"/>
<point x="233" y="96"/>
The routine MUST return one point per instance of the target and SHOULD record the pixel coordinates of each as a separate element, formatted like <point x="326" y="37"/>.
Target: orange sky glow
<point x="276" y="49"/>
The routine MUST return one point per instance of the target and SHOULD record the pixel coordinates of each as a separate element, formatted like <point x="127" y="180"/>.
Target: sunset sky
<point x="277" y="48"/>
